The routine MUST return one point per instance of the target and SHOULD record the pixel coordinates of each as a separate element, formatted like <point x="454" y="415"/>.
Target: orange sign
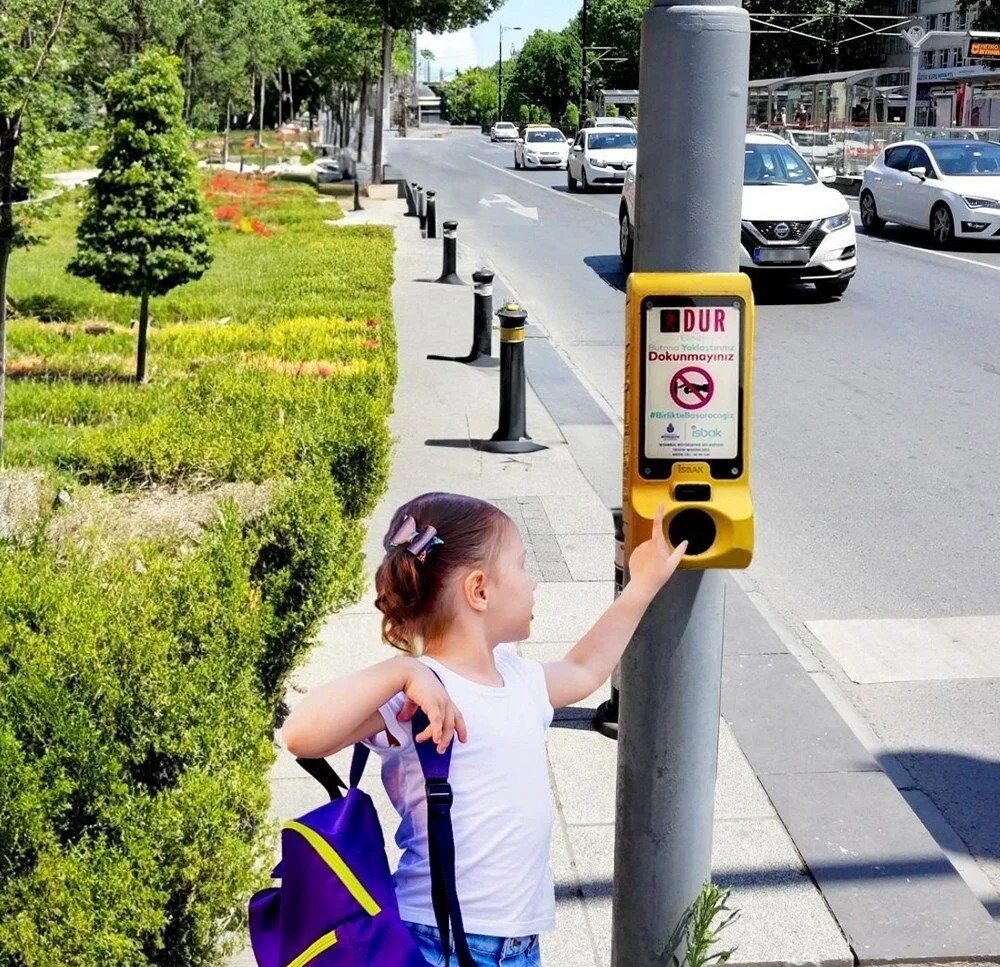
<point x="985" y="49"/>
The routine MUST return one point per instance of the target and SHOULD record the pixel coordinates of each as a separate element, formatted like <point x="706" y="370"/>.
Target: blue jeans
<point x="486" y="951"/>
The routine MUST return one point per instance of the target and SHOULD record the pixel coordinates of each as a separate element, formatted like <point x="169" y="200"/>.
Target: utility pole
<point x="583" y="62"/>
<point x="694" y="69"/>
<point x="503" y="29"/>
<point x="836" y="36"/>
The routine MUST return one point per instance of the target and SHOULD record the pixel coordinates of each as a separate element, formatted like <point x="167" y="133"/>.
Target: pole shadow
<point x="609" y="268"/>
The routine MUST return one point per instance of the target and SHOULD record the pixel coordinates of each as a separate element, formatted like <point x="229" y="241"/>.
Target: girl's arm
<point x="340" y="713"/>
<point x="590" y="662"/>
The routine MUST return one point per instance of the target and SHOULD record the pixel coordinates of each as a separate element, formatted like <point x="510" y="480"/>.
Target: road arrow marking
<point x="516" y="207"/>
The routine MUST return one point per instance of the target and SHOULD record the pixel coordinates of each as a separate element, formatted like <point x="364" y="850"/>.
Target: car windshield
<point x="609" y="141"/>
<point x="822" y="139"/>
<point x="775" y="164"/>
<point x="506" y="125"/>
<point x="545" y="136"/>
<point x="974" y="158"/>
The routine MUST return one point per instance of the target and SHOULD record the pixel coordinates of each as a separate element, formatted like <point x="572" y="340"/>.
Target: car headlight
<point x="974" y="202"/>
<point x="598" y="163"/>
<point x="834" y="222"/>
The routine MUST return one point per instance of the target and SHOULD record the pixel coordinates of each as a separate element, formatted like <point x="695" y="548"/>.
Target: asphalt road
<point x="876" y="470"/>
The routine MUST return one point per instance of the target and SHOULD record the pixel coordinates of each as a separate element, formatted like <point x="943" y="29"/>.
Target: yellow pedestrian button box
<point x="689" y="347"/>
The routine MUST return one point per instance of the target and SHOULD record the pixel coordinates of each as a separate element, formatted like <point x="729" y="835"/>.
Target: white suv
<point x="793" y="229"/>
<point x="541" y="147"/>
<point x="601" y="156"/>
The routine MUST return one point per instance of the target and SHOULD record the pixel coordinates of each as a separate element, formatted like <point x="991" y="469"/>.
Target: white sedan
<point x="601" y="156"/>
<point x="793" y="228"/>
<point x="948" y="187"/>
<point x="541" y="148"/>
<point x="503" y="131"/>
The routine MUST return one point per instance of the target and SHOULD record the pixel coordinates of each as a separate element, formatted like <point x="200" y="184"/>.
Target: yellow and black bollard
<point x="449" y="273"/>
<point x="512" y="434"/>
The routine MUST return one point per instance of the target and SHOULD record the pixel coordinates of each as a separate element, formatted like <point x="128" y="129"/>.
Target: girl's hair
<point x="408" y="590"/>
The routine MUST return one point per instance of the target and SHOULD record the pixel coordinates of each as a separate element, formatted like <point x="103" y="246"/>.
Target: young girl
<point x="451" y="588"/>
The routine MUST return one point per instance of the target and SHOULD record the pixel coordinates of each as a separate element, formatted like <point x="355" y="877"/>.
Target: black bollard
<point x="512" y="434"/>
<point x="482" y="318"/>
<point x="432" y="218"/>
<point x="606" y="717"/>
<point x="422" y="209"/>
<point x="449" y="275"/>
<point x="357" y="197"/>
<point x="411" y="199"/>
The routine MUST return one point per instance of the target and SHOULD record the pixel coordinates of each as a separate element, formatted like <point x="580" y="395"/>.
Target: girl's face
<point x="511" y="591"/>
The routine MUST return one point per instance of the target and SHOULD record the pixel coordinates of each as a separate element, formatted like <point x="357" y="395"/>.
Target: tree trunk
<point x="140" y="364"/>
<point x="363" y="112"/>
<point x="8" y="144"/>
<point x="187" y="89"/>
<point x="291" y="99"/>
<point x="280" y="98"/>
<point x="260" y="124"/>
<point x="225" y="143"/>
<point x="385" y="82"/>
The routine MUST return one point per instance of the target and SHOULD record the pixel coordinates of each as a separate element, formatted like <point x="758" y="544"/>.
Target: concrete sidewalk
<point x="439" y="407"/>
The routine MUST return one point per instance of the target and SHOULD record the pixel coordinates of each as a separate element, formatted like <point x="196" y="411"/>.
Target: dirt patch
<point x="160" y="512"/>
<point x="21" y="495"/>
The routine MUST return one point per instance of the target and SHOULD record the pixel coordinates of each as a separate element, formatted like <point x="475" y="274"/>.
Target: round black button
<point x="694" y="526"/>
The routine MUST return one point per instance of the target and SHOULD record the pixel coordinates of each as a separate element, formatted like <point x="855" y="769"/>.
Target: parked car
<point x="950" y="188"/>
<point x="850" y="150"/>
<point x="600" y="156"/>
<point x="608" y="122"/>
<point x="541" y="146"/>
<point x="503" y="131"/>
<point x="793" y="229"/>
<point x="814" y="146"/>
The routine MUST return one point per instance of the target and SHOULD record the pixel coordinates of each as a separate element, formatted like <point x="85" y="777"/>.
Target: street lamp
<point x="503" y="29"/>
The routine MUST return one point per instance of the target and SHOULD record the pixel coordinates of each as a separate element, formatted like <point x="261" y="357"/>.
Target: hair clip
<point x="417" y="542"/>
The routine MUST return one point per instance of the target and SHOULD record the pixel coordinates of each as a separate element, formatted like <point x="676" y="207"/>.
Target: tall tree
<point x="547" y="71"/>
<point x="144" y="230"/>
<point x="435" y="16"/>
<point x="30" y="32"/>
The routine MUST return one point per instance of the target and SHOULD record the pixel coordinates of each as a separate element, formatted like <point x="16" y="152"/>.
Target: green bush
<point x="140" y="677"/>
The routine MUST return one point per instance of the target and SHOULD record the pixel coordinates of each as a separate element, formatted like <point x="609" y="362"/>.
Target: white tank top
<point x="502" y="811"/>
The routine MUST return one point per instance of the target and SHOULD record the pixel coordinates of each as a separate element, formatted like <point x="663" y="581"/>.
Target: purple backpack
<point x="336" y="906"/>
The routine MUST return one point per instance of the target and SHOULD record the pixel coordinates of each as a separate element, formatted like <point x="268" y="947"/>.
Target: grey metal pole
<point x="911" y="104"/>
<point x="694" y="66"/>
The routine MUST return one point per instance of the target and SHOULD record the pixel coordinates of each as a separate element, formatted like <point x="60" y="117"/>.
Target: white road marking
<point x="913" y="649"/>
<point x="546" y="188"/>
<point x="515" y="206"/>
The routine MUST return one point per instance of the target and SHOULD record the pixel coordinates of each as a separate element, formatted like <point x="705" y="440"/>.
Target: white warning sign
<point x="692" y="382"/>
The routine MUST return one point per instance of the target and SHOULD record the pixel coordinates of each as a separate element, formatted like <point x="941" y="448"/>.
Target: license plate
<point x="781" y="255"/>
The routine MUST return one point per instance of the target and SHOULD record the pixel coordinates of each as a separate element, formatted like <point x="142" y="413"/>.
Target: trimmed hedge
<point x="140" y="679"/>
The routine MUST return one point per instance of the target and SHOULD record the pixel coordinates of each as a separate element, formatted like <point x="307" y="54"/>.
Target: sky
<point x="479" y="46"/>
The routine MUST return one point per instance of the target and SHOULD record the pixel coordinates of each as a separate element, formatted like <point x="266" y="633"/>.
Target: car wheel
<point x="517" y="164"/>
<point x="869" y="214"/>
<point x="942" y="226"/>
<point x="570" y="180"/>
<point x="584" y="184"/>
<point x="832" y="290"/>
<point x="626" y="244"/>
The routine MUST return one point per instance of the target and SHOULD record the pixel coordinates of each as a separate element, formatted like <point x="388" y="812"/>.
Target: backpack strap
<point x="441" y="840"/>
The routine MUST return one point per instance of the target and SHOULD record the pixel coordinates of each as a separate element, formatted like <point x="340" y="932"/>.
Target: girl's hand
<point x="652" y="564"/>
<point x="424" y="691"/>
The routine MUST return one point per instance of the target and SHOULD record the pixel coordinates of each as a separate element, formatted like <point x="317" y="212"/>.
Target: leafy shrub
<point x="139" y="685"/>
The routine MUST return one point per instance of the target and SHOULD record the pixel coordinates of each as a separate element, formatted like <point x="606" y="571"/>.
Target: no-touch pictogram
<point x="691" y="388"/>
